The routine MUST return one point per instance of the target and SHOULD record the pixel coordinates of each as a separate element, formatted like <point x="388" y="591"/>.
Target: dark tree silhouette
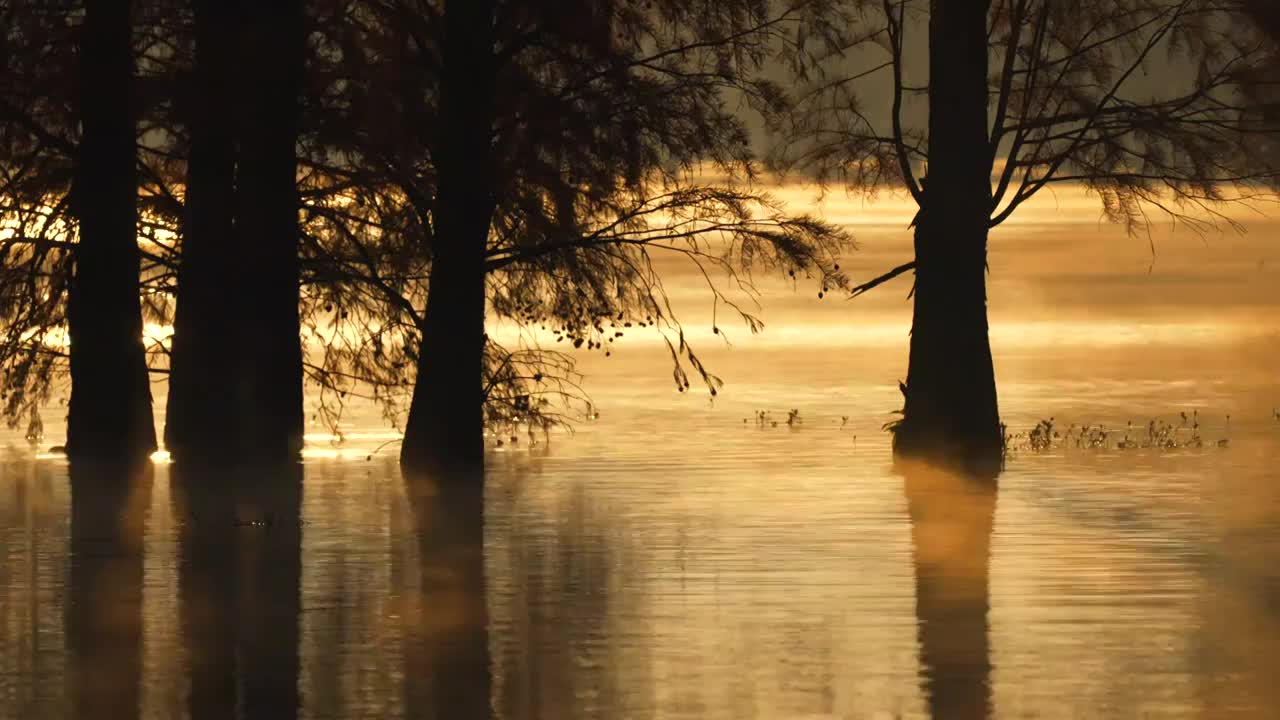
<point x="949" y="327"/>
<point x="446" y="417"/>
<point x="110" y="408"/>
<point x="236" y="365"/>
<point x="40" y="127"/>
<point x="37" y="155"/>
<point x="204" y="347"/>
<point x="267" y="223"/>
<point x="1066" y="102"/>
<point x="611" y="135"/>
<point x="607" y="145"/>
<point x="1263" y="83"/>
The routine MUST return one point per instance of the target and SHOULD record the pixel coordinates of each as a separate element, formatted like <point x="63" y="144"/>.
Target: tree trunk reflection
<point x="951" y="524"/>
<point x="239" y="575"/>
<point x="446" y="656"/>
<point x="104" y="609"/>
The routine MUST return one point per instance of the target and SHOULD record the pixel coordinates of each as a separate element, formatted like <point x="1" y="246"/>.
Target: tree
<point x="603" y="119"/>
<point x="236" y="366"/>
<point x="204" y="347"/>
<point x="43" y="172"/>
<point x="1067" y="103"/>
<point x="110" y="409"/>
<point x="1261" y="82"/>
<point x="37" y="155"/>
<point x="445" y="417"/>
<point x="267" y="221"/>
<point x="606" y="145"/>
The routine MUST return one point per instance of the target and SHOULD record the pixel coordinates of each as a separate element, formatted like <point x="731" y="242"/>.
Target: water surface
<point x="670" y="560"/>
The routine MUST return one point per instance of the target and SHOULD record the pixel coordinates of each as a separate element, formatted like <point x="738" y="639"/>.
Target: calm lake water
<point x="676" y="559"/>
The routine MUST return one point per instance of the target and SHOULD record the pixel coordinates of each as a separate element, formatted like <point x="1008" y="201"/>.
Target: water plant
<point x="1157" y="434"/>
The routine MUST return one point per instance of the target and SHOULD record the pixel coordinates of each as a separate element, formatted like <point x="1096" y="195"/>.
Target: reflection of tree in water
<point x="951" y="523"/>
<point x="349" y="634"/>
<point x="560" y="585"/>
<point x="33" y="507"/>
<point x="104" y="610"/>
<point x="446" y="652"/>
<point x="1238" y="634"/>
<point x="239" y="570"/>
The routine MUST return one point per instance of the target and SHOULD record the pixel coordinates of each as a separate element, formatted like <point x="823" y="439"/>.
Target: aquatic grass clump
<point x="764" y="419"/>
<point x="1157" y="434"/>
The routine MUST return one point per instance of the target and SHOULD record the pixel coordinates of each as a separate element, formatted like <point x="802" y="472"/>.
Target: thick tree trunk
<point x="951" y="413"/>
<point x="267" y="219"/>
<point x="203" y="377"/>
<point x="445" y="425"/>
<point x="952" y="516"/>
<point x="110" y="411"/>
<point x="236" y="380"/>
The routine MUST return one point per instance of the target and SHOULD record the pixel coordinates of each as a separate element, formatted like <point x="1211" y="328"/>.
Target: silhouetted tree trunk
<point x="203" y="381"/>
<point x="951" y="411"/>
<point x="236" y="380"/>
<point x="1266" y="14"/>
<point x="110" y="410"/>
<point x="445" y="425"/>
<point x="267" y="221"/>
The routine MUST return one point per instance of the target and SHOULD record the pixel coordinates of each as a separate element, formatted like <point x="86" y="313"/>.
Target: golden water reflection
<point x="952" y="518"/>
<point x="679" y="589"/>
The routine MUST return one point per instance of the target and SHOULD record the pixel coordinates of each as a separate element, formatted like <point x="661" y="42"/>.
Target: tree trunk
<point x="445" y="428"/>
<point x="235" y="388"/>
<point x="267" y="218"/>
<point x="951" y="415"/>
<point x="110" y="411"/>
<point x="203" y="381"/>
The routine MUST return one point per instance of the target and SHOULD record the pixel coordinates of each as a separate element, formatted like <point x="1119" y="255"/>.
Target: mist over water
<point x="675" y="558"/>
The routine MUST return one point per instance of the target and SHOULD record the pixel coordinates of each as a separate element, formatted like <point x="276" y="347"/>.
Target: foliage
<point x="615" y="141"/>
<point x="1142" y="102"/>
<point x="622" y="135"/>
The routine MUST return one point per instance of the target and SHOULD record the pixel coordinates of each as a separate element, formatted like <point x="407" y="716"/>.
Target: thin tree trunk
<point x="267" y="218"/>
<point x="110" y="411"/>
<point x="445" y="425"/>
<point x="951" y="414"/>
<point x="203" y="380"/>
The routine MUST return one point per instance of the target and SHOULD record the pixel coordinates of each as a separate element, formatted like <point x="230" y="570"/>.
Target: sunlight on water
<point x="675" y="558"/>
